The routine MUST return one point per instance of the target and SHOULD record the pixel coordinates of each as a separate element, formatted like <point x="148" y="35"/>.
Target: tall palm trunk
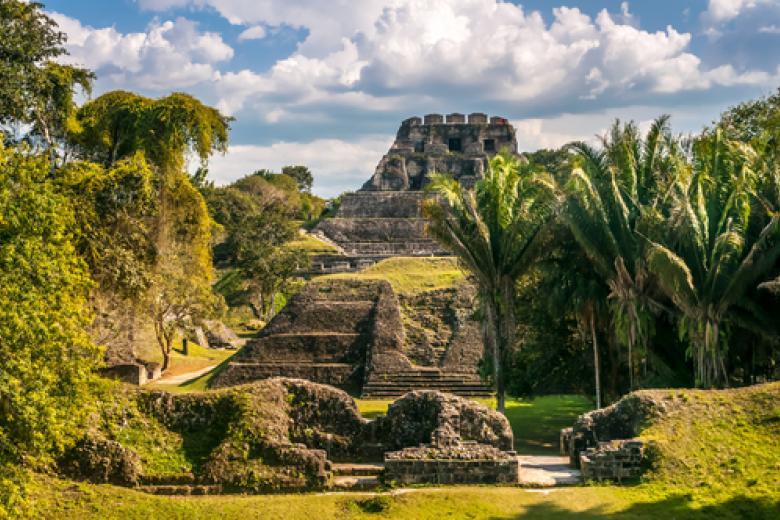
<point x="595" y="358"/>
<point x="492" y="333"/>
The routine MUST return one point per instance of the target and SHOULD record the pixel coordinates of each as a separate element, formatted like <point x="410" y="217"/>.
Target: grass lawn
<point x="61" y="499"/>
<point x="410" y="275"/>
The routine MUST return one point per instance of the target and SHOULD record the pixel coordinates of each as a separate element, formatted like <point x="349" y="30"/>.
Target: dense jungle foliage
<point x="651" y="260"/>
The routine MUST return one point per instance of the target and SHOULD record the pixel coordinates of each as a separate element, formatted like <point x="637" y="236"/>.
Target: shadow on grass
<point x="677" y="507"/>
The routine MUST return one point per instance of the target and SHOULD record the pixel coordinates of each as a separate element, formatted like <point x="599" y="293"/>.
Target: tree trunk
<point x="630" y="366"/>
<point x="492" y="337"/>
<point x="595" y="358"/>
<point x="166" y="360"/>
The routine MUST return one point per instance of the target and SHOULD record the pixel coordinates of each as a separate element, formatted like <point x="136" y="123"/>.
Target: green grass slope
<point x="717" y="443"/>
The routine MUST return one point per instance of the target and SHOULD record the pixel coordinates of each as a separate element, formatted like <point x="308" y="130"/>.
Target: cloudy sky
<point x="326" y="82"/>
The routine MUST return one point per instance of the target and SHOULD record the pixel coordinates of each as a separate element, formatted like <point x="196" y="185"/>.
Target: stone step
<point x="424" y="385"/>
<point x="378" y="394"/>
<point x="236" y="373"/>
<point x="181" y="489"/>
<point x="166" y="480"/>
<point x="395" y="395"/>
<point x="402" y="379"/>
<point x="322" y="317"/>
<point x="356" y="469"/>
<point x="355" y="483"/>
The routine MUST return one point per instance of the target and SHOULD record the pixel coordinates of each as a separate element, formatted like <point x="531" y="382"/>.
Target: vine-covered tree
<point x="46" y="357"/>
<point x="119" y="125"/>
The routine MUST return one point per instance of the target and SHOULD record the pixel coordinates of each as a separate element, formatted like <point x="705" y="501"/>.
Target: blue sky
<point x="325" y="83"/>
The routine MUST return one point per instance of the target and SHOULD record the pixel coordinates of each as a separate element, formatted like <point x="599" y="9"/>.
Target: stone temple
<point x="384" y="218"/>
<point x="360" y="334"/>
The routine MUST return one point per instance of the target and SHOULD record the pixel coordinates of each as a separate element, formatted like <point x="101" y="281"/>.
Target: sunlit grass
<point x="308" y="243"/>
<point x="410" y="275"/>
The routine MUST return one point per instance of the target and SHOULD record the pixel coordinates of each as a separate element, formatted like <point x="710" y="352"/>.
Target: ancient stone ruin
<point x="357" y="335"/>
<point x="451" y="441"/>
<point x="603" y="443"/>
<point x="289" y="435"/>
<point x="384" y="218"/>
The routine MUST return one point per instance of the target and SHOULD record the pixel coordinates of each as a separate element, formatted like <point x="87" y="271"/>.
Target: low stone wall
<point x="465" y="463"/>
<point x="614" y="460"/>
<point x="132" y="373"/>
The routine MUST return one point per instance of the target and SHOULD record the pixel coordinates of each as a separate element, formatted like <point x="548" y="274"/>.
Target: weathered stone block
<point x="478" y="118"/>
<point x="132" y="373"/>
<point x="432" y="119"/>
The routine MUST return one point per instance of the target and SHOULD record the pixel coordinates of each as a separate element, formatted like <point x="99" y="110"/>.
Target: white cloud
<point x="721" y="12"/>
<point x="253" y="33"/>
<point x="171" y="54"/>
<point x="379" y="55"/>
<point x="337" y="165"/>
<point x="469" y="49"/>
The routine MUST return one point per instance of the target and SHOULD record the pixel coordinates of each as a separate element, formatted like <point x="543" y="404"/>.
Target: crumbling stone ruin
<point x="451" y="441"/>
<point x="285" y="435"/>
<point x="603" y="443"/>
<point x="384" y="218"/>
<point x="356" y="335"/>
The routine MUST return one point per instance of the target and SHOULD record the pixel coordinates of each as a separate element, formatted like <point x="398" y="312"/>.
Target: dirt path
<point x="183" y="378"/>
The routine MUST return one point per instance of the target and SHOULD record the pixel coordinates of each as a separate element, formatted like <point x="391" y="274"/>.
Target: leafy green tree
<point x="257" y="221"/>
<point x="46" y="358"/>
<point x="33" y="88"/>
<point x="709" y="262"/>
<point x="115" y="211"/>
<point x="302" y="176"/>
<point x="175" y="300"/>
<point x="749" y="120"/>
<point x="496" y="230"/>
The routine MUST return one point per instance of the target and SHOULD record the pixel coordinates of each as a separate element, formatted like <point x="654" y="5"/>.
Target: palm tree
<point x="496" y="230"/>
<point x="709" y="259"/>
<point x="614" y="193"/>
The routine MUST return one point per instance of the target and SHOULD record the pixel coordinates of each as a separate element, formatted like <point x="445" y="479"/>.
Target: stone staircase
<point x="181" y="484"/>
<point x="396" y="384"/>
<point x="356" y="476"/>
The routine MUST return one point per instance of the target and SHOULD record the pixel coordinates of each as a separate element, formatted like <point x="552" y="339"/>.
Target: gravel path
<point x="183" y="378"/>
<point x="546" y="471"/>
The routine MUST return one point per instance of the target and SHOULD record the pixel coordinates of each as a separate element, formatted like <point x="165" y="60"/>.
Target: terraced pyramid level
<point x="357" y="335"/>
